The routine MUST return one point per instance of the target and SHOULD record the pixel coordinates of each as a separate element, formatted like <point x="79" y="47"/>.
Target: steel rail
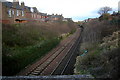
<point x="72" y="49"/>
<point x="37" y="72"/>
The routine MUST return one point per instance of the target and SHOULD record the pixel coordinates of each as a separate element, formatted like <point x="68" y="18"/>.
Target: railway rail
<point x="57" y="61"/>
<point x="66" y="66"/>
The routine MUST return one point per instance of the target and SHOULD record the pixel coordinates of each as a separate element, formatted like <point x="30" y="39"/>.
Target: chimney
<point x="35" y="9"/>
<point x="15" y="3"/>
<point x="22" y="4"/>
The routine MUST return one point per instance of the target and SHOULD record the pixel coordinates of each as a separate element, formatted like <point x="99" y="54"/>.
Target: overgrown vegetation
<point x="100" y="39"/>
<point x="25" y="43"/>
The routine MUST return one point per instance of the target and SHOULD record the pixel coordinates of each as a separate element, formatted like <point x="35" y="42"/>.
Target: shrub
<point x="21" y="57"/>
<point x="94" y="31"/>
<point x="105" y="16"/>
<point x="99" y="64"/>
<point x="26" y="42"/>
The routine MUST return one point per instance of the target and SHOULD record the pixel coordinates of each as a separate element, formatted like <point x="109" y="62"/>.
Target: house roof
<point x="8" y="4"/>
<point x="43" y="14"/>
<point x="35" y="9"/>
<point x="18" y="7"/>
<point x="29" y="8"/>
<point x="56" y="16"/>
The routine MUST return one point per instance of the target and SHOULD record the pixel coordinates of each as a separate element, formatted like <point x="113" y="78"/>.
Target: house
<point x="7" y="12"/>
<point x="67" y="19"/>
<point x="55" y="17"/>
<point x="34" y="13"/>
<point x="44" y="17"/>
<point x="12" y="13"/>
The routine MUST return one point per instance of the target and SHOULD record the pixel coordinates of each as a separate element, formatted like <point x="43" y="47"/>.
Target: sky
<point x="76" y="9"/>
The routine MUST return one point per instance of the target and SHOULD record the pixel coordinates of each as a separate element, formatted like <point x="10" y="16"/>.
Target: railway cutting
<point x="59" y="61"/>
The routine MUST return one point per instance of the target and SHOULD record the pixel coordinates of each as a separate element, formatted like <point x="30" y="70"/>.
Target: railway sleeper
<point x="34" y="73"/>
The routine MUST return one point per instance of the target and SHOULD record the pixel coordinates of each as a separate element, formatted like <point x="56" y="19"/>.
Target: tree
<point x="105" y="16"/>
<point x="104" y="10"/>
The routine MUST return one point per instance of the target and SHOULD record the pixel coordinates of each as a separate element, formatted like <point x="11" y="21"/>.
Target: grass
<point x="21" y="57"/>
<point x="23" y="44"/>
<point x="98" y="62"/>
<point x="87" y="61"/>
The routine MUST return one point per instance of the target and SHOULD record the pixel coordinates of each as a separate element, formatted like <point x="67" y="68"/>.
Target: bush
<point x="21" y="57"/>
<point x="105" y="16"/>
<point x="88" y="61"/>
<point x="24" y="43"/>
<point x="115" y="21"/>
<point x="99" y="64"/>
<point x="19" y="35"/>
<point x="94" y="31"/>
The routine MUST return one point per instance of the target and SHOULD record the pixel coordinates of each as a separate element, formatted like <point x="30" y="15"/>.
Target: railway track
<point x="66" y="66"/>
<point x="59" y="58"/>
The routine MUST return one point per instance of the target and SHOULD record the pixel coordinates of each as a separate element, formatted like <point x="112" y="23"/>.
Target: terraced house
<point x="12" y="12"/>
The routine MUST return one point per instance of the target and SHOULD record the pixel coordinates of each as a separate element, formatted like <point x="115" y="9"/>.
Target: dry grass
<point x="97" y="61"/>
<point x="94" y="31"/>
<point x="24" y="43"/>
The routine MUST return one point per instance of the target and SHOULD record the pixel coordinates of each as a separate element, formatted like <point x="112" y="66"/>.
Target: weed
<point x="28" y="42"/>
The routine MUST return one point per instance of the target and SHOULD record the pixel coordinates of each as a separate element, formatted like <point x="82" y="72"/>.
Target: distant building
<point x="67" y="19"/>
<point x="56" y="17"/>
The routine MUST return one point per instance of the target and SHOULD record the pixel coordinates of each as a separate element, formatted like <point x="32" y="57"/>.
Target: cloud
<point x="71" y="8"/>
<point x="3" y="0"/>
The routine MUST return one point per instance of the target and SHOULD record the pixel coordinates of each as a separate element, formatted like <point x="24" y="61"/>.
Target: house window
<point x="32" y="10"/>
<point x="17" y="13"/>
<point x="13" y="12"/>
<point x="32" y="15"/>
<point x="22" y="13"/>
<point x="9" y="13"/>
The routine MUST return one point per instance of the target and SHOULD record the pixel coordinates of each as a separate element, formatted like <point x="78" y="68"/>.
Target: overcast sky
<point x="75" y="9"/>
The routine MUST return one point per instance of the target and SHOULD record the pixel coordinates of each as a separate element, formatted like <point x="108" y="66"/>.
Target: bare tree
<point x="104" y="10"/>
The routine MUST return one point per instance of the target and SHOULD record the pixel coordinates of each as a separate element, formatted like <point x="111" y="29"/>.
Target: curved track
<point x="57" y="61"/>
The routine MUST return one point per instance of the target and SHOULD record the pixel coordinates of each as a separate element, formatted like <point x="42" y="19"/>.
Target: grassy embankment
<point x="25" y="43"/>
<point x="102" y="40"/>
